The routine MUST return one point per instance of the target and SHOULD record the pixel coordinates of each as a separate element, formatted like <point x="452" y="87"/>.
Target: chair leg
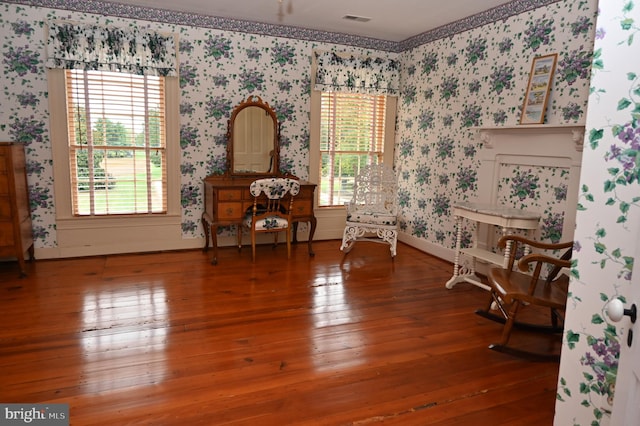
<point x="348" y="238"/>
<point x="391" y="238"/>
<point x="492" y="300"/>
<point x="508" y="326"/>
<point x="498" y="302"/>
<point x="486" y="313"/>
<point x="253" y="245"/>
<point x="287" y="234"/>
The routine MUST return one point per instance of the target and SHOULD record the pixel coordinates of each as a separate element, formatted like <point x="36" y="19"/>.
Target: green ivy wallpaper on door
<point x="608" y="222"/>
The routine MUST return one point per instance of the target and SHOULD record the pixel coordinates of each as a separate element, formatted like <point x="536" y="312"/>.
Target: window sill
<point x="115" y="222"/>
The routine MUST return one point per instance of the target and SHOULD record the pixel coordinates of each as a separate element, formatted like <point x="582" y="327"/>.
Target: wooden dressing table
<point x="253" y="152"/>
<point x="228" y="198"/>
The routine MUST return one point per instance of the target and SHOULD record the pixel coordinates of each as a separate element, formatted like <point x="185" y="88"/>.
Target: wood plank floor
<point x="167" y="338"/>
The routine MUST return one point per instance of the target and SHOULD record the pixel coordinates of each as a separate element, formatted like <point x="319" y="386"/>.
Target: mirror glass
<point x="252" y="139"/>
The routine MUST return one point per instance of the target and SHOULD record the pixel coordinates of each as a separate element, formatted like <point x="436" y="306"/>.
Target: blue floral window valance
<point x="373" y="76"/>
<point x="93" y="47"/>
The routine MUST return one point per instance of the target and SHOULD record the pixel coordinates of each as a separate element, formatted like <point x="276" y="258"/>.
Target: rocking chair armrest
<point x="502" y="243"/>
<point x="525" y="261"/>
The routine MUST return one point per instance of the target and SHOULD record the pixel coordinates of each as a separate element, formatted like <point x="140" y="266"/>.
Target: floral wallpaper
<point x="478" y="78"/>
<point x="447" y="86"/>
<point x="540" y="189"/>
<point x="218" y="70"/>
<point x="608" y="222"/>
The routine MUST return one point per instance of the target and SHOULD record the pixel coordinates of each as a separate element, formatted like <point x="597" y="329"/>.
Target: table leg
<point x="205" y="225"/>
<point x="314" y="223"/>
<point x="507" y="251"/>
<point x="214" y="240"/>
<point x="456" y="259"/>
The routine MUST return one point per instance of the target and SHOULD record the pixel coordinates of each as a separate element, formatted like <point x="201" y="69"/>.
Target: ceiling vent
<point x="356" y="18"/>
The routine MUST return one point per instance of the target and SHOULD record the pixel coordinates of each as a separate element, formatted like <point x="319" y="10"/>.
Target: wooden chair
<point x="539" y="282"/>
<point x="272" y="214"/>
<point x="372" y="212"/>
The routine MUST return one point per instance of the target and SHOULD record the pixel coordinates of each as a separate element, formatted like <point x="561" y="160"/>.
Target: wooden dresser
<point x="16" y="235"/>
<point x="227" y="198"/>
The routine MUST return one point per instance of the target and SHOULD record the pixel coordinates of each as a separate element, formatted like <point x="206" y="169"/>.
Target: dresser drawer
<point x="302" y="209"/>
<point x="229" y="211"/>
<point x="229" y="194"/>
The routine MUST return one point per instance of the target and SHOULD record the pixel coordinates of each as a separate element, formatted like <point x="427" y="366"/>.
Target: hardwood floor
<point x="167" y="338"/>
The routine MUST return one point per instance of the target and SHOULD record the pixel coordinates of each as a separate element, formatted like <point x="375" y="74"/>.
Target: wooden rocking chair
<point x="511" y="291"/>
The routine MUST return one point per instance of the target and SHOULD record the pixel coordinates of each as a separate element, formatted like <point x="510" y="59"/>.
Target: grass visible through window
<point x="125" y="190"/>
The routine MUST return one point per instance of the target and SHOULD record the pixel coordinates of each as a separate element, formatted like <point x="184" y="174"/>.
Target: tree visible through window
<point x="117" y="143"/>
<point x="352" y="131"/>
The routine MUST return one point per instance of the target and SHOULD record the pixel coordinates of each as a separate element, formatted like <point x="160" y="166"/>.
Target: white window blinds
<point x="117" y="143"/>
<point x="351" y="136"/>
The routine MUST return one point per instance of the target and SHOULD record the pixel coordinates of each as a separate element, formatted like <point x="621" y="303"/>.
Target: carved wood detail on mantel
<point x="576" y="131"/>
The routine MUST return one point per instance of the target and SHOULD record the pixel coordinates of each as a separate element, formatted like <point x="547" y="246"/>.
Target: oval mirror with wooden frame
<point x="253" y="146"/>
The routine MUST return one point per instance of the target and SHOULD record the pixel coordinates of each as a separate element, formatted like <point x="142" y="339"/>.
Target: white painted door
<point x="626" y="403"/>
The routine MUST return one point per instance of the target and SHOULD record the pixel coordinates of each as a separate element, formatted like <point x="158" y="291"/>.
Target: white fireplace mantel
<point x="537" y="145"/>
<point x="575" y="130"/>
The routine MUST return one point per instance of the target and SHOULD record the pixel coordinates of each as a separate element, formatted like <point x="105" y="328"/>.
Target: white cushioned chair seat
<point x="375" y="218"/>
<point x="271" y="222"/>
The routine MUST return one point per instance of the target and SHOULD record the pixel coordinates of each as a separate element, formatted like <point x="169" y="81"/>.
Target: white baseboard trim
<point x="101" y="250"/>
<point x="427" y="247"/>
<point x="223" y="241"/>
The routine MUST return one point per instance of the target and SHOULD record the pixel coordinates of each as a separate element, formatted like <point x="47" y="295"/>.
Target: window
<point x="117" y="143"/>
<point x="352" y="135"/>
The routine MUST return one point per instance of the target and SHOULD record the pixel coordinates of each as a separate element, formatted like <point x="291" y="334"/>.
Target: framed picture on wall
<point x="537" y="95"/>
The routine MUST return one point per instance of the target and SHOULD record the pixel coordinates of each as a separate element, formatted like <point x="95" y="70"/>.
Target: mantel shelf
<point x="543" y="127"/>
<point x="576" y="130"/>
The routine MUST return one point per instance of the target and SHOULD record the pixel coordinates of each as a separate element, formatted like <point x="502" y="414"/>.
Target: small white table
<point x="508" y="219"/>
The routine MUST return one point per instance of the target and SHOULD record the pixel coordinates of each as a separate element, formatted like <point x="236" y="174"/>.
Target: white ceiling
<point x="391" y="20"/>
